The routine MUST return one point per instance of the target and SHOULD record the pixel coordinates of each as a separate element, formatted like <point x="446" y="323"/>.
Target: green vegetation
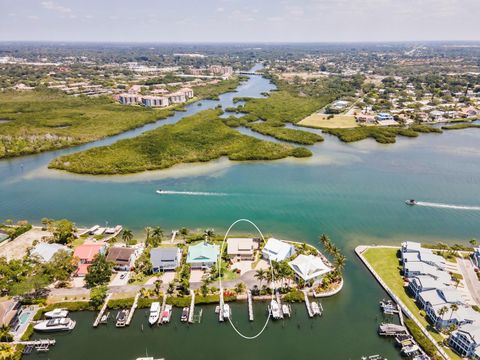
<point x="386" y="264"/>
<point x="281" y="133"/>
<point x="198" y="138"/>
<point x="43" y="120"/>
<point x="212" y="91"/>
<point x="422" y="340"/>
<point x="383" y="135"/>
<point x="98" y="295"/>
<point x="425" y="129"/>
<point x="99" y="272"/>
<point x="293" y="296"/>
<point x="28" y="277"/>
<point x="28" y="333"/>
<point x="15" y="231"/>
<point x="460" y="126"/>
<point x="71" y="306"/>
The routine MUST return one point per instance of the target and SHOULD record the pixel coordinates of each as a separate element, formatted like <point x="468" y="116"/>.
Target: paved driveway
<point x="470" y="278"/>
<point x="117" y="281"/>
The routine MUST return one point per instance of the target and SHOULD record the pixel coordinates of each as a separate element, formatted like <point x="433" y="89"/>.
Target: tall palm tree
<point x="148" y="229"/>
<point x="443" y="310"/>
<point x="127" y="235"/>
<point x="261" y="275"/>
<point x="209" y="233"/>
<point x="7" y="352"/>
<point x="340" y="261"/>
<point x="157" y="235"/>
<point x="453" y="308"/>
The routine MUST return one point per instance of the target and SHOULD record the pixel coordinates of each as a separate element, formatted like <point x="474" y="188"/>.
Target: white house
<point x="466" y="340"/>
<point x="46" y="251"/>
<point x="277" y="250"/>
<point x="241" y="249"/>
<point x="309" y="267"/>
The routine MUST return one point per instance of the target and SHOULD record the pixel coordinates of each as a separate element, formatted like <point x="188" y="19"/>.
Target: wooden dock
<point x="192" y="307"/>
<point x="102" y="311"/>
<point x="250" y="305"/>
<point x="132" y="309"/>
<point x="279" y="302"/>
<point x="220" y="313"/>
<point x="174" y="235"/>
<point x="41" y="345"/>
<point x="400" y="315"/>
<point x="307" y="304"/>
<point x="162" y="309"/>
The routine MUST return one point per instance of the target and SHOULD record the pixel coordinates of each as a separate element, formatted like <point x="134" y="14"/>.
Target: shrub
<point x="293" y="296"/>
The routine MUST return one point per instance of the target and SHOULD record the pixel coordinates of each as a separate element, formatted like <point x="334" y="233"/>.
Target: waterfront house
<point x="425" y="256"/>
<point x="122" y="257"/>
<point x="309" y="267"/>
<point x="203" y="255"/>
<point x="465" y="341"/>
<point x="165" y="258"/>
<point x="85" y="254"/>
<point x="277" y="250"/>
<point x="241" y="249"/>
<point x="365" y="118"/>
<point x="155" y="101"/>
<point x="45" y="251"/>
<point x="128" y="99"/>
<point x="177" y="97"/>
<point x="436" y="115"/>
<point x="188" y="92"/>
<point x="421" y="283"/>
<point x="8" y="310"/>
<point x="383" y="117"/>
<point x="413" y="269"/>
<point x="387" y="122"/>
<point x="470" y="112"/>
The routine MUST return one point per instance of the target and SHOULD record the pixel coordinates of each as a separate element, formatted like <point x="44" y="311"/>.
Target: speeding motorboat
<point x="411" y="202"/>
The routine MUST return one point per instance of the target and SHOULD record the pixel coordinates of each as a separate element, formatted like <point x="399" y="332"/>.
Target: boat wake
<point x="190" y="193"/>
<point x="447" y="206"/>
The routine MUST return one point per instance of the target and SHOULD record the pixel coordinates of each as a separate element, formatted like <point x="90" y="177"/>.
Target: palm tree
<point x="240" y="288"/>
<point x="5" y="333"/>
<point x="453" y="308"/>
<point x="340" y="261"/>
<point x="209" y="233"/>
<point x="157" y="235"/>
<point x="148" y="229"/>
<point x="127" y="235"/>
<point x="7" y="351"/>
<point x="443" y="310"/>
<point x="473" y="242"/>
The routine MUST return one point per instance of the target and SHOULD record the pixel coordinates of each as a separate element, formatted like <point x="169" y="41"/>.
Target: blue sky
<point x="239" y="20"/>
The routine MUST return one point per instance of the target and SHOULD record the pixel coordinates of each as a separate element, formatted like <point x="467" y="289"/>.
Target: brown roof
<point x="8" y="309"/>
<point x="120" y="255"/>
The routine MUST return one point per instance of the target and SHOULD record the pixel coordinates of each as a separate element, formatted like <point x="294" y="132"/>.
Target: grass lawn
<point x="322" y="121"/>
<point x="386" y="263"/>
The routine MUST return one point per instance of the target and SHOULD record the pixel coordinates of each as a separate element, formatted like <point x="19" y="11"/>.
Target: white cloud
<point x="50" y="5"/>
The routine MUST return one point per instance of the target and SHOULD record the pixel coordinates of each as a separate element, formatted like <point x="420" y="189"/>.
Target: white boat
<point x="411" y="202"/>
<point x="286" y="310"/>
<point x="154" y="313"/>
<point x="53" y="325"/>
<point x="122" y="317"/>
<point x="166" y="314"/>
<point x="315" y="308"/>
<point x="275" y="310"/>
<point x="185" y="313"/>
<point x="226" y="311"/>
<point x="56" y="313"/>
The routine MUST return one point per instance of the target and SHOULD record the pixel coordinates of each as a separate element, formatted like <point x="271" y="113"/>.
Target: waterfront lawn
<point x="325" y="121"/>
<point x="43" y="120"/>
<point x="198" y="138"/>
<point x="386" y="263"/>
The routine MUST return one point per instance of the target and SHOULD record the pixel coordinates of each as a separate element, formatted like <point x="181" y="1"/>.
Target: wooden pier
<point x="400" y="315"/>
<point x="220" y="312"/>
<point x="279" y="302"/>
<point x="41" y="345"/>
<point x="132" y="309"/>
<point x="250" y="305"/>
<point x="307" y="304"/>
<point x="102" y="311"/>
<point x="174" y="235"/>
<point x="192" y="307"/>
<point x="162" y="309"/>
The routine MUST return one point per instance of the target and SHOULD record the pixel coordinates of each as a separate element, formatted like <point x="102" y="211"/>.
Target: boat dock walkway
<point x="174" y="235"/>
<point x="307" y="304"/>
<point x="132" y="309"/>
<point x="400" y="315"/>
<point x="102" y="310"/>
<point x="220" y="313"/>
<point x="250" y="305"/>
<point x="41" y="345"/>
<point x="279" y="302"/>
<point x="192" y="307"/>
<point x="162" y="309"/>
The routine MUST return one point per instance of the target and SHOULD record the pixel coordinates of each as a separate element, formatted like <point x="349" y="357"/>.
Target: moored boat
<point x="122" y="318"/>
<point x="286" y="310"/>
<point x="315" y="308"/>
<point x="275" y="309"/>
<point x="154" y="313"/>
<point x="56" y="313"/>
<point x="54" y="325"/>
<point x="226" y="311"/>
<point x="166" y="314"/>
<point x="185" y="313"/>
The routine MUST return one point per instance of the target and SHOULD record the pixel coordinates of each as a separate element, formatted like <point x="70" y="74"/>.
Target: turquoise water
<point x="353" y="192"/>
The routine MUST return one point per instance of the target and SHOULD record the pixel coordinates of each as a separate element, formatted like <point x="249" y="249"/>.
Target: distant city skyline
<point x="239" y="20"/>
